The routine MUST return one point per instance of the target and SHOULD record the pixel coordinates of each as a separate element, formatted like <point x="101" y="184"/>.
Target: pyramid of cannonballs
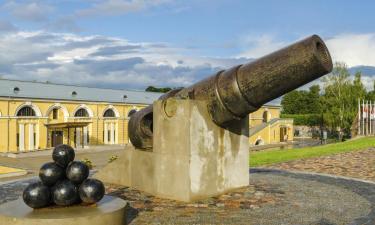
<point x="63" y="182"/>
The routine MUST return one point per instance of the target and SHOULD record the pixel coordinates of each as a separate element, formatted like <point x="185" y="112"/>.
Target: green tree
<point x="302" y="102"/>
<point x="339" y="101"/>
<point x="155" y="89"/>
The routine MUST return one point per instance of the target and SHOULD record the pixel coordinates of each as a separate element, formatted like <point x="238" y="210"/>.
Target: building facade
<point x="266" y="126"/>
<point x="36" y="116"/>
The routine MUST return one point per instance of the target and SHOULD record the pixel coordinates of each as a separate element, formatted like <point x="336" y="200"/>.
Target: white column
<point x="112" y="133"/>
<point x="21" y="137"/>
<point x="78" y="137"/>
<point x="31" y="136"/>
<point x="85" y="136"/>
<point x="105" y="133"/>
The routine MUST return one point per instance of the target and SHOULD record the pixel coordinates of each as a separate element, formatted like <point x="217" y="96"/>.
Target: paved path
<point x="273" y="197"/>
<point x="358" y="164"/>
<point x="33" y="164"/>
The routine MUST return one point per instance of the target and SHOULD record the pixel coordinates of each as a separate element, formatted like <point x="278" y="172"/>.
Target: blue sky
<point x="136" y="43"/>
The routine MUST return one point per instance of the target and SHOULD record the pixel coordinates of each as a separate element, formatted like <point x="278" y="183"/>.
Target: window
<point x="88" y="137"/>
<point x="16" y="90"/>
<point x="74" y="94"/>
<point x="131" y="112"/>
<point x="109" y="113"/>
<point x="81" y="113"/>
<point x="109" y="136"/>
<point x="265" y="116"/>
<point x="55" y="114"/>
<point x="26" y="111"/>
<point x="18" y="140"/>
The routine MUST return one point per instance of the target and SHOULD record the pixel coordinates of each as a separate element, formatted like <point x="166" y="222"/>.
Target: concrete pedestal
<point x="192" y="157"/>
<point x="109" y="210"/>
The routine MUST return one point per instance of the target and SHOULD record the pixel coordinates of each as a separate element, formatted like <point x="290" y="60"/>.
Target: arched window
<point x="265" y="117"/>
<point x="131" y="112"/>
<point x="109" y="113"/>
<point x="26" y="111"/>
<point x="81" y="113"/>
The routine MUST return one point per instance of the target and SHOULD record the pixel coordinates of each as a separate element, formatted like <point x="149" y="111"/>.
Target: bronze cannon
<point x="234" y="93"/>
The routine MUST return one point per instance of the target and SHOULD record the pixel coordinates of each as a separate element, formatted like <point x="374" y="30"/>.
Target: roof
<point x="39" y="90"/>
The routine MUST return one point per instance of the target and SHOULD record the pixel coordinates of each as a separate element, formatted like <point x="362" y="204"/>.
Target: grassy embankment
<point x="262" y="158"/>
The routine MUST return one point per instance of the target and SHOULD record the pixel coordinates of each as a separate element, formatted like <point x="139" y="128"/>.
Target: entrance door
<point x="283" y="134"/>
<point x="57" y="138"/>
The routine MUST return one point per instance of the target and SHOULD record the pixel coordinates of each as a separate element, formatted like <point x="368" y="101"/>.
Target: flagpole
<point x="370" y="118"/>
<point x="363" y="117"/>
<point x="367" y="117"/>
<point x="359" y="116"/>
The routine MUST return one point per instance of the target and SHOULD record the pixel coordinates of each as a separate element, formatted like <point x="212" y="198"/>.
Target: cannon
<point x="193" y="142"/>
<point x="234" y="93"/>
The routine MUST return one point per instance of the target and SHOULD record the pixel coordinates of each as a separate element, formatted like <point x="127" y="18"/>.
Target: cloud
<point x="119" y="7"/>
<point x="258" y="46"/>
<point x="353" y="49"/>
<point x="6" y="26"/>
<point x="102" y="61"/>
<point x="28" y="11"/>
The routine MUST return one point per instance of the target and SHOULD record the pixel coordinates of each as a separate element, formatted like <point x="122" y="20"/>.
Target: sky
<point x="132" y="44"/>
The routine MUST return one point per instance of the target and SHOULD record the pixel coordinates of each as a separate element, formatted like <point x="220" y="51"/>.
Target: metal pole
<point x="370" y="118"/>
<point x="359" y="116"/>
<point x="367" y="118"/>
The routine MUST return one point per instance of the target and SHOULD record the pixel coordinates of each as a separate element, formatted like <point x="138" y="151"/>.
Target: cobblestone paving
<point x="273" y="197"/>
<point x="357" y="164"/>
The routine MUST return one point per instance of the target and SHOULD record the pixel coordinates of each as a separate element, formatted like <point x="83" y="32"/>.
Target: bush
<point x="304" y="119"/>
<point x="113" y="158"/>
<point x="88" y="163"/>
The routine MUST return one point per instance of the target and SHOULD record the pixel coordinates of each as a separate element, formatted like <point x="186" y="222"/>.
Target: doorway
<point x="57" y="138"/>
<point x="283" y="134"/>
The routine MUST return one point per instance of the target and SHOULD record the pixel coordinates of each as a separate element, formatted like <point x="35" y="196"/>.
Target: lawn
<point x="262" y="158"/>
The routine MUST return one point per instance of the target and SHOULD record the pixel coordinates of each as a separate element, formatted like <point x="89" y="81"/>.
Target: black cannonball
<point x="63" y="155"/>
<point x="65" y="193"/>
<point x="50" y="173"/>
<point x="37" y="195"/>
<point x="77" y="172"/>
<point x="91" y="191"/>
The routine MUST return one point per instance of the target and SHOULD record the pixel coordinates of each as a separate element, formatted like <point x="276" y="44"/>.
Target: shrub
<point x="88" y="163"/>
<point x="112" y="158"/>
<point x="304" y="119"/>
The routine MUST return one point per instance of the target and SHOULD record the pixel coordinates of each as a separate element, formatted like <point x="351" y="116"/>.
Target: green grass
<point x="262" y="158"/>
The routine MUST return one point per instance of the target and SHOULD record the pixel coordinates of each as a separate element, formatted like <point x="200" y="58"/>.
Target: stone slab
<point x="110" y="210"/>
<point x="192" y="157"/>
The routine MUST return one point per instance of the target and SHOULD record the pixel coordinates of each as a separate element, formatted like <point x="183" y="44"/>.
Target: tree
<point x="339" y="101"/>
<point x="155" y="89"/>
<point x="302" y="102"/>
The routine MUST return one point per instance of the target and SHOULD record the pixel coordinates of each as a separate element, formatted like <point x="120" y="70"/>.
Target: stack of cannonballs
<point x="63" y="182"/>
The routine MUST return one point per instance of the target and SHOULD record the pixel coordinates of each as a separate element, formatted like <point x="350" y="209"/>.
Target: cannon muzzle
<point x="234" y="93"/>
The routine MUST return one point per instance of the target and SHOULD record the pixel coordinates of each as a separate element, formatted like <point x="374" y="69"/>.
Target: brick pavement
<point x="356" y="164"/>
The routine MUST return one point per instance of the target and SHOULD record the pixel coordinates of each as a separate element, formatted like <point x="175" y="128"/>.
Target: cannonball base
<point x="109" y="211"/>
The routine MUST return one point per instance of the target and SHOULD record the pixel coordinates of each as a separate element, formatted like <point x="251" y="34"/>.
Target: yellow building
<point x="266" y="126"/>
<point x="36" y="115"/>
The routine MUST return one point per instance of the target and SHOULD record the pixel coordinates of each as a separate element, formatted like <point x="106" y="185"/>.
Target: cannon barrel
<point x="234" y="93"/>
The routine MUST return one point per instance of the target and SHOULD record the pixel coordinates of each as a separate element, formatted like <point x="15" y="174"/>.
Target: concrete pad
<point x="110" y="210"/>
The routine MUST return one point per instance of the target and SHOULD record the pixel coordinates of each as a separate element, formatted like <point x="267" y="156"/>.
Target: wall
<point x="10" y="123"/>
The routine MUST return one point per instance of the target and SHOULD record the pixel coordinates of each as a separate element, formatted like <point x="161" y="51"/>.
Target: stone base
<point x="109" y="210"/>
<point x="192" y="158"/>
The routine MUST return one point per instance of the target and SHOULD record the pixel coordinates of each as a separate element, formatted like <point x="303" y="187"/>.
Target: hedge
<point x="304" y="119"/>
